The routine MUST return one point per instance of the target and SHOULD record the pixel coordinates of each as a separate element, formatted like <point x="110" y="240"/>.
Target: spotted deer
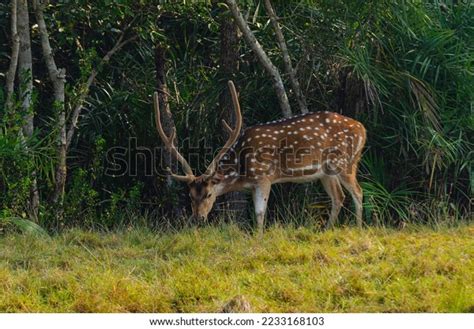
<point x="321" y="145"/>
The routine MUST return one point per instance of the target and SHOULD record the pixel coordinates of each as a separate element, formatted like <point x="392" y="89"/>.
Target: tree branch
<point x="85" y="89"/>
<point x="262" y="57"/>
<point x="286" y="57"/>
<point x="56" y="75"/>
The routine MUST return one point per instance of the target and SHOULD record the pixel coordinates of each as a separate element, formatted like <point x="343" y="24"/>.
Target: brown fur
<point x="322" y="145"/>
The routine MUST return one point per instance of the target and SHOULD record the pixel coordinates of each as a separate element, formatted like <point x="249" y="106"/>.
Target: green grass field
<point x="199" y="270"/>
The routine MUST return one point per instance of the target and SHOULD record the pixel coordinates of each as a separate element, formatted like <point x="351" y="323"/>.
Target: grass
<point x="199" y="270"/>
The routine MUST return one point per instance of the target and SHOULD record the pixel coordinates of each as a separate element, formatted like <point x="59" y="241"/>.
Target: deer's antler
<point x="233" y="133"/>
<point x="169" y="144"/>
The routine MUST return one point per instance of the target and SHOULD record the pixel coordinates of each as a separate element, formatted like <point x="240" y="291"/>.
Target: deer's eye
<point x="208" y="195"/>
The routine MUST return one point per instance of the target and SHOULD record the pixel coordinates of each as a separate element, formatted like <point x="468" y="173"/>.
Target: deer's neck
<point x="232" y="185"/>
<point x="232" y="181"/>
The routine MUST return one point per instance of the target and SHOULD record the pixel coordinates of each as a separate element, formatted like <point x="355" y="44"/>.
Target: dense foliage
<point x="403" y="68"/>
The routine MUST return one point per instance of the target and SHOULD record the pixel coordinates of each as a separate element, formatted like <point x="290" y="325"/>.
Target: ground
<point x="198" y="270"/>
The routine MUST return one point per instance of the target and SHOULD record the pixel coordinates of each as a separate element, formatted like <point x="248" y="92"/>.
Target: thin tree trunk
<point x="286" y="57"/>
<point x="235" y="203"/>
<point x="10" y="76"/>
<point x="25" y="71"/>
<point x="58" y="78"/>
<point x="167" y="119"/>
<point x="90" y="80"/>
<point x="262" y="57"/>
<point x="25" y="66"/>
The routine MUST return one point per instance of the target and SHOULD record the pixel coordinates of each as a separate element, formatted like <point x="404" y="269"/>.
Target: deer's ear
<point x="217" y="178"/>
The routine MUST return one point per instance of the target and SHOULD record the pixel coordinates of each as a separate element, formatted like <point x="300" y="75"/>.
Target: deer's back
<point x="298" y="146"/>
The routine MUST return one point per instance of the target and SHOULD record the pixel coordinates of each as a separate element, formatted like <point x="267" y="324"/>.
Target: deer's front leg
<point x="261" y="192"/>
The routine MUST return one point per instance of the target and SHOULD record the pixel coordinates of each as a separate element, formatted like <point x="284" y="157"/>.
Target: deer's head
<point x="203" y="189"/>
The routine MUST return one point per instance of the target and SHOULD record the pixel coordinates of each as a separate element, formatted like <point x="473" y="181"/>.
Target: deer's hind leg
<point x="334" y="190"/>
<point x="350" y="183"/>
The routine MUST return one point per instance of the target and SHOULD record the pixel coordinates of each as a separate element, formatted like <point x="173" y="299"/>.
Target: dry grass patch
<point x="200" y="270"/>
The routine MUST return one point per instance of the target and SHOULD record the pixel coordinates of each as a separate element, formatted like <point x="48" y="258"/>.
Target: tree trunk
<point x="58" y="78"/>
<point x="235" y="203"/>
<point x="25" y="70"/>
<point x="10" y="76"/>
<point x="167" y="123"/>
<point x="286" y="57"/>
<point x="350" y="96"/>
<point x="262" y="57"/>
